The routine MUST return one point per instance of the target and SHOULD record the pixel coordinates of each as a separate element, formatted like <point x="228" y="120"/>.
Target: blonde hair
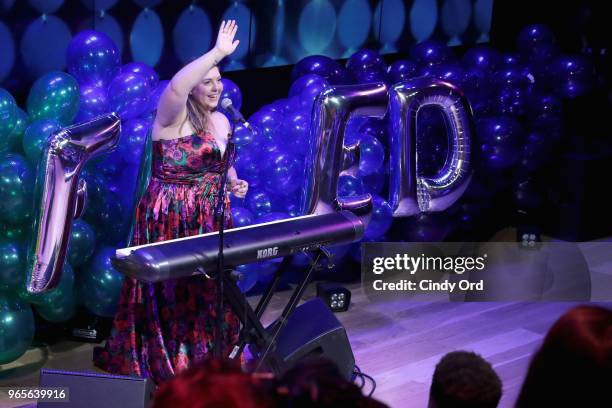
<point x="197" y="115"/>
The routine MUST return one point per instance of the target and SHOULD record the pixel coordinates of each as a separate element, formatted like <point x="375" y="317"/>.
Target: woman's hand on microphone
<point x="225" y="39"/>
<point x="239" y="188"/>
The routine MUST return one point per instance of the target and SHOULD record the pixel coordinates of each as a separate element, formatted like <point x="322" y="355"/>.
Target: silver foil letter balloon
<point x="331" y="111"/>
<point x="60" y="196"/>
<point x="410" y="193"/>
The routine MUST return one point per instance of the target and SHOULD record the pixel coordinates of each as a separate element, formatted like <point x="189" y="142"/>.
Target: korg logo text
<point x="267" y="252"/>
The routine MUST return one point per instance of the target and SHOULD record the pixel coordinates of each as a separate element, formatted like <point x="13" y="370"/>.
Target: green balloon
<point x="61" y="311"/>
<point x="16" y="327"/>
<point x="16" y="189"/>
<point x="12" y="266"/>
<point x="65" y="288"/>
<point x="7" y="114"/>
<point x="13" y="141"/>
<point x="19" y="233"/>
<point x="58" y="305"/>
<point x="100" y="286"/>
<point x="82" y="243"/>
<point x="35" y="137"/>
<point x="54" y="95"/>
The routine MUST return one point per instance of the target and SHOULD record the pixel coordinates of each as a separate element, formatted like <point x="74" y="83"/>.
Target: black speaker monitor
<point x="93" y="390"/>
<point x="312" y="329"/>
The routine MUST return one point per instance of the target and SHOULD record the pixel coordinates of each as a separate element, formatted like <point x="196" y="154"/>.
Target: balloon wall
<point x="517" y="100"/>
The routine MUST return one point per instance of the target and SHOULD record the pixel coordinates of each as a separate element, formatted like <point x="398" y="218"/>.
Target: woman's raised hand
<point x="225" y="39"/>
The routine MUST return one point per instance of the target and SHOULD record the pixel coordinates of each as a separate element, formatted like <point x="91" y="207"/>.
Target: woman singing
<point x="163" y="328"/>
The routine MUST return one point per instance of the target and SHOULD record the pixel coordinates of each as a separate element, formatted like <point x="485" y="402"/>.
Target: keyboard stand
<point x="253" y="331"/>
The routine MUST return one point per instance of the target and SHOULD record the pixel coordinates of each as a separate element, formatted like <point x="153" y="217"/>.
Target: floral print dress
<point x="162" y="328"/>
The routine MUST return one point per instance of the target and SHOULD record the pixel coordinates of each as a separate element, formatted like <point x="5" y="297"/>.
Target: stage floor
<point x="397" y="342"/>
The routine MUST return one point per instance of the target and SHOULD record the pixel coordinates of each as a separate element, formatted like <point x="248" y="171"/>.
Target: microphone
<point x="226" y="104"/>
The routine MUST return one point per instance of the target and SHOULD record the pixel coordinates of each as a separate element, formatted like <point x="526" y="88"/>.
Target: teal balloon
<point x="82" y="243"/>
<point x="36" y="136"/>
<point x="7" y="114"/>
<point x="99" y="288"/>
<point x="19" y="233"/>
<point x="12" y="265"/>
<point x="65" y="288"/>
<point x="58" y="305"/>
<point x="16" y="327"/>
<point x="54" y="96"/>
<point x="13" y="140"/>
<point x="16" y="188"/>
<point x="60" y="311"/>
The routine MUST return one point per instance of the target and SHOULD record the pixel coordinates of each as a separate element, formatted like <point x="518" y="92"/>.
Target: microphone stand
<point x="220" y="215"/>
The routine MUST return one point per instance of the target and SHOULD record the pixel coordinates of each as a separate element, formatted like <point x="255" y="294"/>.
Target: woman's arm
<point x="171" y="108"/>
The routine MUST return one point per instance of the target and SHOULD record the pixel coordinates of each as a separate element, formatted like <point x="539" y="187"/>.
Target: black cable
<point x="363" y="376"/>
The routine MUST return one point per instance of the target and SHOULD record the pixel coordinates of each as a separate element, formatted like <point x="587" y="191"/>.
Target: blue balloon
<point x="290" y="105"/>
<point x="93" y="58"/>
<point x="305" y="82"/>
<point x="372" y="154"/>
<point x="373" y="183"/>
<point x="243" y="136"/>
<point x="241" y="217"/>
<point x="320" y="65"/>
<point x="259" y="203"/>
<point x="574" y="75"/>
<point x="482" y="58"/>
<point x="307" y="88"/>
<point x="511" y="100"/>
<point x="400" y="71"/>
<point x="36" y="136"/>
<point x="232" y="91"/>
<point x="544" y="114"/>
<point x="295" y="132"/>
<point x="349" y="186"/>
<point x="431" y="52"/>
<point x="154" y="98"/>
<point x="94" y="102"/>
<point x="382" y="217"/>
<point x="287" y="204"/>
<point x="536" y="42"/>
<point x="8" y="110"/>
<point x="248" y="274"/>
<point x="500" y="138"/>
<point x="128" y="94"/>
<point x="247" y="167"/>
<point x="365" y="60"/>
<point x="142" y="69"/>
<point x="267" y="123"/>
<point x="133" y="139"/>
<point x="451" y="72"/>
<point x="511" y="60"/>
<point x="283" y="173"/>
<point x="82" y="243"/>
<point x="515" y="76"/>
<point x="99" y="289"/>
<point x="272" y="216"/>
<point x="536" y="151"/>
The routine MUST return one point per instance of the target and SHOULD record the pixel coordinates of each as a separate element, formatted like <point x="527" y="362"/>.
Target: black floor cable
<point x="363" y="377"/>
